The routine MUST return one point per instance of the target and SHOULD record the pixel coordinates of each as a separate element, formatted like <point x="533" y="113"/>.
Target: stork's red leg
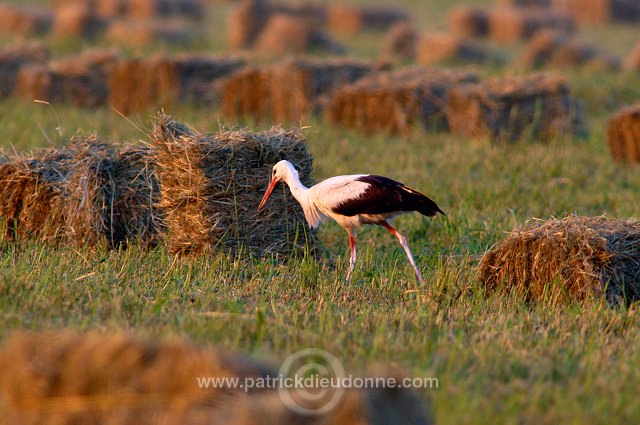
<point x="403" y="242"/>
<point x="352" y="259"/>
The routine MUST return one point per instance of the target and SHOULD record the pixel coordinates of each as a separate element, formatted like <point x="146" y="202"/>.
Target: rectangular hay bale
<point x="623" y="135"/>
<point x="210" y="188"/>
<point x="574" y="258"/>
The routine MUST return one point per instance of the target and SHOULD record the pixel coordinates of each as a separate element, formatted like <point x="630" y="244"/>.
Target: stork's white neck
<point x="292" y="179"/>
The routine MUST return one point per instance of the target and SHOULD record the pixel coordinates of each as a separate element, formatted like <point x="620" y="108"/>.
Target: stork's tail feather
<point x="417" y="201"/>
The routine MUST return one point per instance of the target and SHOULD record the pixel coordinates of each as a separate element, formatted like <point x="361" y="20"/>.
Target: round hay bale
<point x="575" y="258"/>
<point x="24" y="21"/>
<point x="400" y="42"/>
<point x="468" y="22"/>
<point x="210" y="188"/>
<point x="623" y="135"/>
<point x="246" y="22"/>
<point x="536" y="106"/>
<point x="437" y="47"/>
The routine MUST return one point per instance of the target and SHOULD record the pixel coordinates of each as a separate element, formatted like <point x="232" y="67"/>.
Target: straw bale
<point x="601" y="11"/>
<point x="125" y="379"/>
<point x="574" y="258"/>
<point x="290" y="34"/>
<point x="527" y="3"/>
<point x="315" y="13"/>
<point x="77" y="19"/>
<point x="111" y="8"/>
<point x="300" y="86"/>
<point x="137" y="84"/>
<point x="79" y="80"/>
<point x="394" y="101"/>
<point x="14" y="57"/>
<point x="24" y="20"/>
<point x="507" y="109"/>
<point x="193" y="9"/>
<point x="509" y="25"/>
<point x="468" y="22"/>
<point x="141" y="32"/>
<point x="623" y="135"/>
<point x="246" y="22"/>
<point x="437" y="47"/>
<point x="632" y="61"/>
<point x="210" y="187"/>
<point x="349" y="20"/>
<point x="400" y="42"/>
<point x="247" y="92"/>
<point x="198" y="74"/>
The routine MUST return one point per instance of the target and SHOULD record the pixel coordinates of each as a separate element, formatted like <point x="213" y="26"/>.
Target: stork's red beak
<point x="272" y="185"/>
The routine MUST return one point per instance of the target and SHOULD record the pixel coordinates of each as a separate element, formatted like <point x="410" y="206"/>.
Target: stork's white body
<point x="353" y="200"/>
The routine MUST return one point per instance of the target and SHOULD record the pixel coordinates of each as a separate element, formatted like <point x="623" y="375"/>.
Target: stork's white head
<point x="282" y="171"/>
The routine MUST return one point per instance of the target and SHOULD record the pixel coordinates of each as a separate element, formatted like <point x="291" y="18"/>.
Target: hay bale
<point x="14" y="57"/>
<point x="551" y="48"/>
<point x="128" y="380"/>
<point x="210" y="188"/>
<point x="468" y="22"/>
<point x="394" y="101"/>
<point x="79" y="80"/>
<point x="526" y="3"/>
<point x="86" y="193"/>
<point x="141" y="32"/>
<point x="111" y="8"/>
<point x="574" y="258"/>
<point x="24" y="20"/>
<point x="198" y="74"/>
<point x="507" y="109"/>
<point x="508" y="25"/>
<point x="632" y="61"/>
<point x="437" y="47"/>
<point x="600" y="11"/>
<point x="193" y="9"/>
<point x="247" y="92"/>
<point x="288" y="34"/>
<point x="135" y="85"/>
<point x="350" y="20"/>
<point x="76" y="19"/>
<point x="246" y="22"/>
<point x="400" y="43"/>
<point x="623" y="135"/>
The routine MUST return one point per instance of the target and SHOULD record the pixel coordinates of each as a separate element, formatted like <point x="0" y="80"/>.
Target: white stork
<point x="352" y="201"/>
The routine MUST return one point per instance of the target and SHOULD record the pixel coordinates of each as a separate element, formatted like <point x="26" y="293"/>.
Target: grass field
<point x="497" y="359"/>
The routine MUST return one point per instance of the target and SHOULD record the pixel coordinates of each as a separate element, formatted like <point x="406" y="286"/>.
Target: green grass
<point x="497" y="359"/>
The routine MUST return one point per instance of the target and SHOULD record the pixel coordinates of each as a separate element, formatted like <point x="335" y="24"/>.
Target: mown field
<point x="497" y="358"/>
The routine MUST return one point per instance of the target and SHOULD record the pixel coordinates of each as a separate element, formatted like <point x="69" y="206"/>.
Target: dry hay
<point x="527" y="3"/>
<point x="632" y="61"/>
<point x="14" y="57"/>
<point x="509" y="25"/>
<point x="24" y="21"/>
<point x="87" y="193"/>
<point x="246" y="22"/>
<point x="468" y="22"/>
<point x="193" y="9"/>
<point x="247" y="92"/>
<point x="394" y="101"/>
<point x="551" y="48"/>
<point x="623" y="135"/>
<point x="601" y="11"/>
<point x="350" y="20"/>
<point x="76" y="19"/>
<point x="64" y="377"/>
<point x="289" y="34"/>
<point x="400" y="42"/>
<point x="437" y="47"/>
<point x="79" y="80"/>
<point x="141" y="32"/>
<point x="507" y="109"/>
<point x="210" y="188"/>
<point x="573" y="258"/>
<point x="198" y="73"/>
